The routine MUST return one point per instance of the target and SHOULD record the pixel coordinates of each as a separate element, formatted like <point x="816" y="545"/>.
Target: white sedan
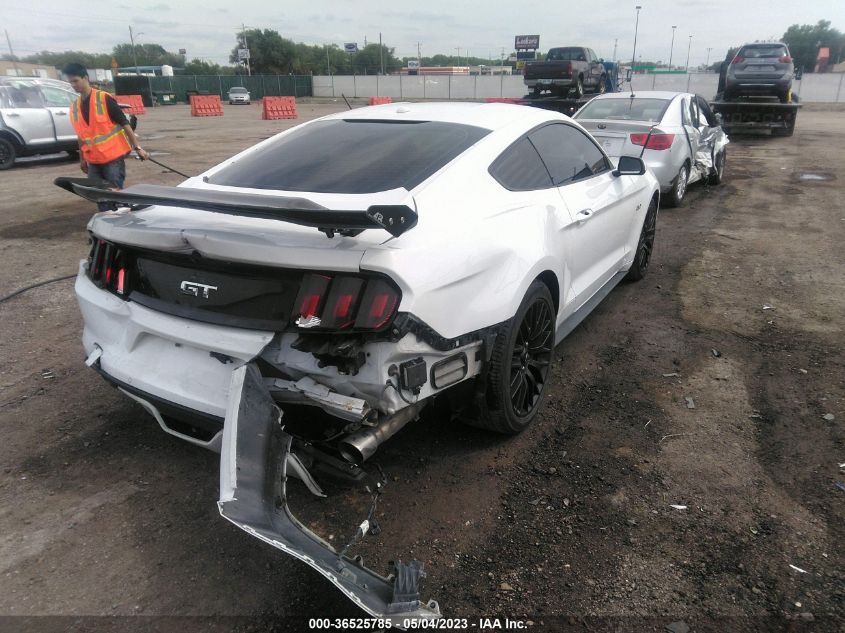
<point x="675" y="133"/>
<point x="362" y="263"/>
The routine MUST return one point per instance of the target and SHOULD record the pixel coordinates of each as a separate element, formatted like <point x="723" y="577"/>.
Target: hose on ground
<point x="37" y="285"/>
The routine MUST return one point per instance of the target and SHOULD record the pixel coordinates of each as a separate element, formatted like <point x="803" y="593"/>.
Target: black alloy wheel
<point x="530" y="358"/>
<point x="645" y="246"/>
<point x="7" y="154"/>
<point x="519" y="366"/>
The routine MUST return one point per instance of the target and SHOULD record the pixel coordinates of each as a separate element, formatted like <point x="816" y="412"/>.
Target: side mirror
<point x="630" y="166"/>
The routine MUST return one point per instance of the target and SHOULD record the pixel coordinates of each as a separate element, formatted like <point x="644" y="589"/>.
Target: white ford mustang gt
<point x="362" y="263"/>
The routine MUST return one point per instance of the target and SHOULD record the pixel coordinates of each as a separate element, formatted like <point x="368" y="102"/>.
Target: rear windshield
<point x="624" y="109"/>
<point x="565" y="54"/>
<point x="768" y="50"/>
<point x="238" y="90"/>
<point x="352" y="156"/>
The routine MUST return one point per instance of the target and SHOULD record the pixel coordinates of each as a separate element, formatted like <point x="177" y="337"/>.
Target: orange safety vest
<point x="101" y="140"/>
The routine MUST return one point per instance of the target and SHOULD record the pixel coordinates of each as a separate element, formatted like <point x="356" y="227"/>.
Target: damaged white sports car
<point x="363" y="263"/>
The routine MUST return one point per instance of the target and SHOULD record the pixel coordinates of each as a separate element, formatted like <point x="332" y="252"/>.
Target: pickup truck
<point x="568" y="70"/>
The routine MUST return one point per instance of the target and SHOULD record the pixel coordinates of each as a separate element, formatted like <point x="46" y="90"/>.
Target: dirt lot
<point x="569" y="525"/>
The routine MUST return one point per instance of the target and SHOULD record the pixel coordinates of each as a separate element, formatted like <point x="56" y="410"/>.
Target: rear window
<point x="753" y="52"/>
<point x="624" y="109"/>
<point x="352" y="156"/>
<point x="565" y="54"/>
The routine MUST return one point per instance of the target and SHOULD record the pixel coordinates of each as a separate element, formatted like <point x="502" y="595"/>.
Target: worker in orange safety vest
<point x="105" y="136"/>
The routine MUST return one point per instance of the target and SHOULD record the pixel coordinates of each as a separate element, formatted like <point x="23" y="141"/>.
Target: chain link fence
<point x="185" y="85"/>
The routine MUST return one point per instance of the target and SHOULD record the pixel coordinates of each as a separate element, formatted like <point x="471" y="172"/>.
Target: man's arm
<point x="117" y="116"/>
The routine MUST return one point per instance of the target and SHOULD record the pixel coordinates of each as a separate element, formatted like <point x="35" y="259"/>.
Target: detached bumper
<point x="253" y="472"/>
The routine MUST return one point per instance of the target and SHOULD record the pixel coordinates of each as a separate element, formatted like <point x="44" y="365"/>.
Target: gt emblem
<point x="193" y="288"/>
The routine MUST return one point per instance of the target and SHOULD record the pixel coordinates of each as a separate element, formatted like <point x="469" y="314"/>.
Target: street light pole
<point x="246" y="46"/>
<point x="689" y="46"/>
<point x="458" y="48"/>
<point x="707" y="64"/>
<point x="615" y="43"/>
<point x="672" y="47"/>
<point x="636" y="28"/>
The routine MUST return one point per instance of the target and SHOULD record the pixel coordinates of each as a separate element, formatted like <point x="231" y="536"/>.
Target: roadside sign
<point x="351" y="47"/>
<point x="526" y="42"/>
<point x="243" y="53"/>
<point x="183" y="51"/>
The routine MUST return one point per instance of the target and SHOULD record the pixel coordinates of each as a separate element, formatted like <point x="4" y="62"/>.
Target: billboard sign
<point x="526" y="55"/>
<point x="526" y="42"/>
<point x="351" y="47"/>
<point x="243" y="54"/>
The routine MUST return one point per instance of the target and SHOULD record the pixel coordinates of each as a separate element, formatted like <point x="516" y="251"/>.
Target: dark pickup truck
<point x="567" y="70"/>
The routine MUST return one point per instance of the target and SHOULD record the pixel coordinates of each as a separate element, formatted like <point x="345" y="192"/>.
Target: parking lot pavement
<point x="742" y="316"/>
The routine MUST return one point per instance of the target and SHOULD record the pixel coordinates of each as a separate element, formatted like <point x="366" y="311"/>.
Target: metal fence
<point x="183" y="85"/>
<point x="813" y="88"/>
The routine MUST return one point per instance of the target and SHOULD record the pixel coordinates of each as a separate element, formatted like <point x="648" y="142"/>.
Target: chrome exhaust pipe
<point x="360" y="446"/>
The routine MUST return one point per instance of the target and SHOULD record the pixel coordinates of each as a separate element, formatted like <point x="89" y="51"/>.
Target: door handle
<point x="13" y="114"/>
<point x="583" y="215"/>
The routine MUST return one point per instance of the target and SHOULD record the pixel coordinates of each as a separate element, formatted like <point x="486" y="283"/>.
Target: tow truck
<point x="751" y="113"/>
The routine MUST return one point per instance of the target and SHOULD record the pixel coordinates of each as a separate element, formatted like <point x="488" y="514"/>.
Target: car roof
<point x="491" y="116"/>
<point x="643" y="94"/>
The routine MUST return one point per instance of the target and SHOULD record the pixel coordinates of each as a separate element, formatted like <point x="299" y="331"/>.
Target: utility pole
<point x="419" y="54"/>
<point x="689" y="46"/>
<point x="328" y="65"/>
<point x="246" y="46"/>
<point x="12" y="53"/>
<point x="380" y="53"/>
<point x="672" y="47"/>
<point x="458" y="48"/>
<point x="502" y="60"/>
<point x="709" y="48"/>
<point x="134" y="54"/>
<point x="615" y="43"/>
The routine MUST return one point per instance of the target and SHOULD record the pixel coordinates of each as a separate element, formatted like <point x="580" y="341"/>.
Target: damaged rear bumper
<point x="253" y="471"/>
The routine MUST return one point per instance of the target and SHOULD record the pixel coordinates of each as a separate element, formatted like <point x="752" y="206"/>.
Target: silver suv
<point x="34" y="118"/>
<point x="760" y="69"/>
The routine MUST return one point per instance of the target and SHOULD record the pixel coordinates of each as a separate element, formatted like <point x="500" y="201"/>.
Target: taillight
<point x="656" y="141"/>
<point x="786" y="59"/>
<point x="737" y="60"/>
<point x="344" y="302"/>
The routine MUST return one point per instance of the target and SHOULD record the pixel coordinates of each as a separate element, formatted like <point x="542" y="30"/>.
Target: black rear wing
<point x="395" y="219"/>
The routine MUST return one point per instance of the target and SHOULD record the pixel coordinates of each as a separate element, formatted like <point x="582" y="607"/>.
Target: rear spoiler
<point x="395" y="219"/>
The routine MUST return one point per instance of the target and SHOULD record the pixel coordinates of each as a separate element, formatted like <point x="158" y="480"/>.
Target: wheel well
<point x="12" y="138"/>
<point x="548" y="278"/>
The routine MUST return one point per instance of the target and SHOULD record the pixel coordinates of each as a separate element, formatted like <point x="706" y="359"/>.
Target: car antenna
<point x="347" y="101"/>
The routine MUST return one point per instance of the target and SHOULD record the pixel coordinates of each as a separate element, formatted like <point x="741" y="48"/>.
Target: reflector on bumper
<point x="253" y="471"/>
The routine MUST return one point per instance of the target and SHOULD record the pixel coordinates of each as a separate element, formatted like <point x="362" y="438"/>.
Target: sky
<point x="207" y="28"/>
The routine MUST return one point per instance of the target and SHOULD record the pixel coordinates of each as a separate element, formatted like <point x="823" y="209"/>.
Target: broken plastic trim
<point x="253" y="474"/>
<point x="395" y="219"/>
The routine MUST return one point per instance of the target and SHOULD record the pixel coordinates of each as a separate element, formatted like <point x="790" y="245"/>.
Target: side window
<point x="519" y="168"/>
<point x="568" y="153"/>
<point x="56" y="97"/>
<point x="25" y="97"/>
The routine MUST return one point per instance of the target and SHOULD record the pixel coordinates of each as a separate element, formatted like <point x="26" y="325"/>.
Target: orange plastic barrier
<point x="135" y="103"/>
<point x="206" y="105"/>
<point x="379" y="100"/>
<point x="278" y="108"/>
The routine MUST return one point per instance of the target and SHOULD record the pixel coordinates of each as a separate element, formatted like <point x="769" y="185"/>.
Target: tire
<point x="718" y="175"/>
<point x="645" y="245"/>
<point x="679" y="188"/>
<point x="519" y="366"/>
<point x="7" y="154"/>
<point x="577" y="91"/>
<point x="602" y="87"/>
<point x="783" y="131"/>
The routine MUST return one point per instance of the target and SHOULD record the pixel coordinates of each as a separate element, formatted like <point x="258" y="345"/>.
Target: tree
<point x="270" y="53"/>
<point x="201" y="67"/>
<point x="805" y="40"/>
<point x="368" y="60"/>
<point x="147" y="55"/>
<point x="60" y="60"/>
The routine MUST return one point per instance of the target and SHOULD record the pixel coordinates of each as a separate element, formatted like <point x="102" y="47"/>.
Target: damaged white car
<point x="363" y="263"/>
<point x="676" y="133"/>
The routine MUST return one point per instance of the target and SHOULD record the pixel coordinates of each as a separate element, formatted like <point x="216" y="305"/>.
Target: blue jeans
<point x="113" y="173"/>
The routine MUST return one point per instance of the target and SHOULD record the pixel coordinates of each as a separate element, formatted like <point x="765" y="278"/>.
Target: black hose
<point x="40" y="283"/>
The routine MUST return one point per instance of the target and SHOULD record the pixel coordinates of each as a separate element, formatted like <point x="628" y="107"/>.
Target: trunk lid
<point x="615" y="136"/>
